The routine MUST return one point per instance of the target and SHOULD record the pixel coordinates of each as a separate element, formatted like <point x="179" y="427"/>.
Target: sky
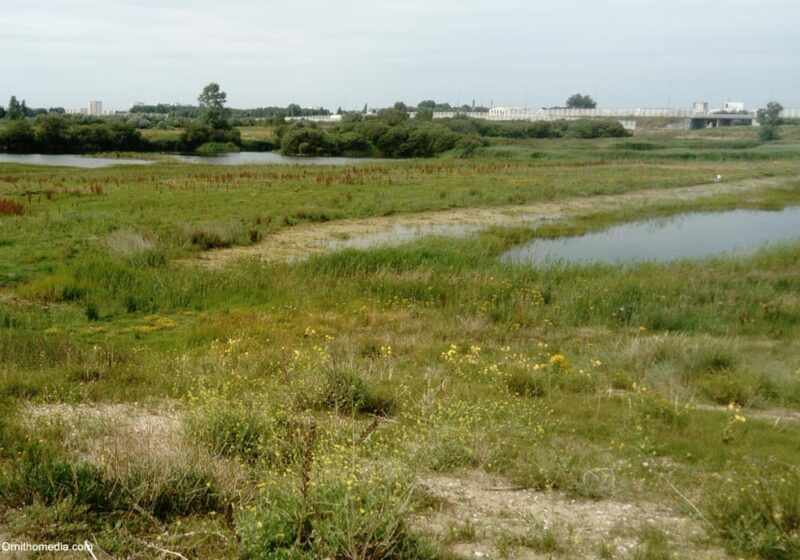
<point x="535" y="53"/>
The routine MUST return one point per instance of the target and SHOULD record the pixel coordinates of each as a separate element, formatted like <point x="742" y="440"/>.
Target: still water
<point x="252" y="158"/>
<point x="241" y="158"/>
<point x="67" y="160"/>
<point x="693" y="235"/>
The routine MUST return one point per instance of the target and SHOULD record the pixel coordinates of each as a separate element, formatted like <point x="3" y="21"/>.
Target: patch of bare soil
<point x="99" y="430"/>
<point x="497" y="513"/>
<point x="308" y="239"/>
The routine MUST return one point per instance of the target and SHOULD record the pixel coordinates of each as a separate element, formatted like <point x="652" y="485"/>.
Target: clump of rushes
<point x="345" y="391"/>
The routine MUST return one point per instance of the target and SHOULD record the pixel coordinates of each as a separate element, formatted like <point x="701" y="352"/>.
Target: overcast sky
<point x="625" y="53"/>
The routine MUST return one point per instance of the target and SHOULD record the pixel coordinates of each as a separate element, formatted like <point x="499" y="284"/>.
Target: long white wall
<point x="555" y="114"/>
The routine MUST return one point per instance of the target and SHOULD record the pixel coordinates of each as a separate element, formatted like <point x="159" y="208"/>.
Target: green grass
<point x="290" y="409"/>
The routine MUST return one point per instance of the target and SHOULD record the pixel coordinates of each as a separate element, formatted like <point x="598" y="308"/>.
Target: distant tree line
<point x="194" y="111"/>
<point x="211" y="130"/>
<point x="19" y="110"/>
<point x="211" y="127"/>
<point x="55" y="134"/>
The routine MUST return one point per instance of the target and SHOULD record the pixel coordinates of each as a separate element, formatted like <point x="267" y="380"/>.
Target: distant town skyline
<point x="624" y="53"/>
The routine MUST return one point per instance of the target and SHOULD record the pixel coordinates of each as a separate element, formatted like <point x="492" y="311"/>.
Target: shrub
<point x="210" y="148"/>
<point x="305" y="141"/>
<point x="18" y="137"/>
<point x="596" y="128"/>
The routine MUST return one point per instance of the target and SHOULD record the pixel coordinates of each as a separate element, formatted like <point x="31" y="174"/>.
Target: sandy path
<point x="306" y="239"/>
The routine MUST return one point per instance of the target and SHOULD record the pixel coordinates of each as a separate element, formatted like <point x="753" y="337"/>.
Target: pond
<point x="254" y="158"/>
<point x="691" y="235"/>
<point x="68" y="160"/>
<point x="240" y="158"/>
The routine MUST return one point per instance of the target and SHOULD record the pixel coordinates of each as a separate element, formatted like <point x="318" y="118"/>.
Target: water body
<point x="240" y="158"/>
<point x="67" y="160"/>
<point x="692" y="235"/>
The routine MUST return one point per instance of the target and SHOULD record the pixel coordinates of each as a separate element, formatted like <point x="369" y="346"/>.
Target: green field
<point x="422" y="400"/>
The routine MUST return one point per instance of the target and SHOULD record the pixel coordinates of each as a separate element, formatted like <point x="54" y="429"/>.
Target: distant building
<point x="503" y="110"/>
<point x="700" y="107"/>
<point x="733" y="107"/>
<point x="95" y="108"/>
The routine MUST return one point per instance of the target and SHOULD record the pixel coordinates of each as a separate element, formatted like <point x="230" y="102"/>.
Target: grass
<point x="291" y="409"/>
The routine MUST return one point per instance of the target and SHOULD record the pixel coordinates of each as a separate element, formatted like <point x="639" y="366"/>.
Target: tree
<point x="18" y="138"/>
<point x="579" y="101"/>
<point x="425" y="114"/>
<point x="15" y="110"/>
<point x="400" y="106"/>
<point x="769" y="119"/>
<point x="294" y="110"/>
<point x="212" y="106"/>
<point x="52" y="134"/>
<point x="427" y="103"/>
<point x="2" y="112"/>
<point x="392" y="116"/>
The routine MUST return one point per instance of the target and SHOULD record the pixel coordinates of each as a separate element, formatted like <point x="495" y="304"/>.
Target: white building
<point x="734" y="107"/>
<point x="95" y="108"/>
<point x="503" y="110"/>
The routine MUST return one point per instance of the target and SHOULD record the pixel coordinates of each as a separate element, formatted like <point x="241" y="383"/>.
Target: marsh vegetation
<point x="421" y="400"/>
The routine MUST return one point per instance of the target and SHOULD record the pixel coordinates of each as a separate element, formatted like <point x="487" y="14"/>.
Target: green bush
<point x="211" y="148"/>
<point x="302" y="140"/>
